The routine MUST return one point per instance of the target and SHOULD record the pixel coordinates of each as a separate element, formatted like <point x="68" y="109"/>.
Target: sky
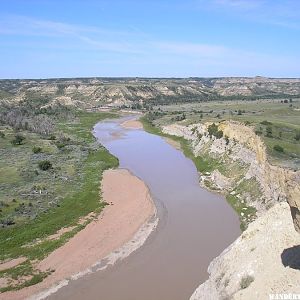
<point x="157" y="38"/>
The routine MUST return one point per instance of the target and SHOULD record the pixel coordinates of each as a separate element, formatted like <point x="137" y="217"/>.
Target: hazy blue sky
<point x="68" y="38"/>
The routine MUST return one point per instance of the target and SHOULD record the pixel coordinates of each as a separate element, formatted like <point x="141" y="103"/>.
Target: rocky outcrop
<point x="240" y="143"/>
<point x="263" y="260"/>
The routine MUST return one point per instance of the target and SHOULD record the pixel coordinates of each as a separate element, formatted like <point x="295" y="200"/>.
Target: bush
<point x="36" y="149"/>
<point x="269" y="131"/>
<point x="266" y="123"/>
<point x="214" y="131"/>
<point x="18" y="139"/>
<point x="227" y="140"/>
<point x="297" y="136"/>
<point x="2" y="134"/>
<point x="45" y="165"/>
<point x="246" y="281"/>
<point x="278" y="148"/>
<point x="60" y="145"/>
<point x="52" y="137"/>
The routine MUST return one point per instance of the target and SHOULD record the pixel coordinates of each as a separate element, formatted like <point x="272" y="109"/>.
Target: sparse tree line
<point x="41" y="124"/>
<point x="29" y="116"/>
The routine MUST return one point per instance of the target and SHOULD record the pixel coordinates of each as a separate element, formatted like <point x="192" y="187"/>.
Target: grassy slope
<point x="74" y="206"/>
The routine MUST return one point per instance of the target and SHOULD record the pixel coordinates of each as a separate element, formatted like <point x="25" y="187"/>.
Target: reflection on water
<point x="195" y="225"/>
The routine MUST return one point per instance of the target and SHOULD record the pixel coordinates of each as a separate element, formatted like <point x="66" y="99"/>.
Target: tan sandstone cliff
<point x="265" y="259"/>
<point x="276" y="183"/>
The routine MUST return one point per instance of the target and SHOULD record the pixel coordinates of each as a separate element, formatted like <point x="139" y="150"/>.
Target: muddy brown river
<point x="194" y="226"/>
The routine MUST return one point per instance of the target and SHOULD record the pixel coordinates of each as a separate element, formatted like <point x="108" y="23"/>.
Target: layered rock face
<point x="243" y="145"/>
<point x="94" y="92"/>
<point x="265" y="259"/>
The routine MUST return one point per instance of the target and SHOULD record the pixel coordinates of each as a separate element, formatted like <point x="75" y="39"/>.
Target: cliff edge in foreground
<point x="263" y="260"/>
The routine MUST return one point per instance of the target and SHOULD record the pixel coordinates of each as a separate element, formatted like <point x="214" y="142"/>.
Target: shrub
<point x="52" y="137"/>
<point x="246" y="281"/>
<point x="193" y="130"/>
<point x="278" y="148"/>
<point x="199" y="135"/>
<point x="60" y="145"/>
<point x="2" y="134"/>
<point x="227" y="140"/>
<point x="269" y="131"/>
<point x="266" y="123"/>
<point x="18" y="140"/>
<point x="36" y="149"/>
<point x="214" y="131"/>
<point x="45" y="165"/>
<point x="297" y="136"/>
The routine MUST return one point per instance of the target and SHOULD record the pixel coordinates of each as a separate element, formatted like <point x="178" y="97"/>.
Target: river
<point x="195" y="225"/>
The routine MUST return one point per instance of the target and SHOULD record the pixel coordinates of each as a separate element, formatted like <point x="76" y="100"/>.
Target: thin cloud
<point x="241" y="4"/>
<point x="121" y="47"/>
<point x="277" y="13"/>
<point x="104" y="39"/>
<point x="193" y="49"/>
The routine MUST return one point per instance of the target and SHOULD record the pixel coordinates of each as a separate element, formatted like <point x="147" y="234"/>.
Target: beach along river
<point x="194" y="226"/>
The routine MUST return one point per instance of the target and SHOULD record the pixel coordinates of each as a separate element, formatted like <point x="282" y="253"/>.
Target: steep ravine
<point x="265" y="259"/>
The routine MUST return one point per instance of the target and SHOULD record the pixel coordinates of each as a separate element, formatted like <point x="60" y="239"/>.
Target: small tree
<point x="278" y="148"/>
<point x="246" y="281"/>
<point x="18" y="140"/>
<point x="269" y="131"/>
<point x="213" y="131"/>
<point x="45" y="165"/>
<point x="36" y="149"/>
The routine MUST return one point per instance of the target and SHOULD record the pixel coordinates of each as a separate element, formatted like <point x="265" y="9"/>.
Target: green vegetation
<point x="18" y="140"/>
<point x="40" y="203"/>
<point x="274" y="121"/>
<point x="246" y="281"/>
<point x="206" y="164"/>
<point x="36" y="149"/>
<point x="45" y="165"/>
<point x="202" y="163"/>
<point x="214" y="131"/>
<point x="278" y="148"/>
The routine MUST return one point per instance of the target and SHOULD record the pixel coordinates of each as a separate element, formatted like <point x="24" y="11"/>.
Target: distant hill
<point x="89" y="93"/>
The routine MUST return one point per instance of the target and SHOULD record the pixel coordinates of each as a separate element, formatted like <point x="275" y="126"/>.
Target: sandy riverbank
<point x="135" y="124"/>
<point x="130" y="207"/>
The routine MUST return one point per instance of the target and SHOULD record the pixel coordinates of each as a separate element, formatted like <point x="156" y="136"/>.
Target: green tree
<point x="18" y="140"/>
<point x="278" y="148"/>
<point x="45" y="165"/>
<point x="269" y="131"/>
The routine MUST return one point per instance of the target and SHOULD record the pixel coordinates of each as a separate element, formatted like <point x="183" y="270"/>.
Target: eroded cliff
<point x="264" y="260"/>
<point x="242" y="170"/>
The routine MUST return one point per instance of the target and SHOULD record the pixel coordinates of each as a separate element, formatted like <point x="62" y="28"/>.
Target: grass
<point x="81" y="197"/>
<point x="248" y="212"/>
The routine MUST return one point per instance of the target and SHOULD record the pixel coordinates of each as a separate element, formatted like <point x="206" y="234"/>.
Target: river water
<point x="195" y="225"/>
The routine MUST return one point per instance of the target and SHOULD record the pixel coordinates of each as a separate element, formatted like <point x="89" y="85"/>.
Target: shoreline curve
<point x="120" y="229"/>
